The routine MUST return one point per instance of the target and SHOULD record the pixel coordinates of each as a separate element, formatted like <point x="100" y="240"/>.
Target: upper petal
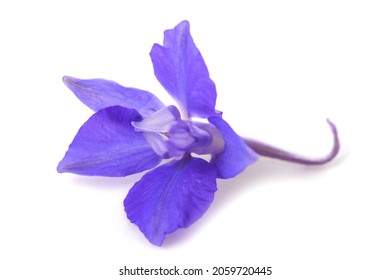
<point x="99" y="93"/>
<point x="236" y="155"/>
<point x="180" y="68"/>
<point x="170" y="197"/>
<point x="108" y="145"/>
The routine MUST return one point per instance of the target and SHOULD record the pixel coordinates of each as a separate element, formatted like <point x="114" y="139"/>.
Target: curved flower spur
<point x="132" y="131"/>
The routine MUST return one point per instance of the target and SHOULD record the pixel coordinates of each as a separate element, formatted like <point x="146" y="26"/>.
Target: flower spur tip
<point x="272" y="152"/>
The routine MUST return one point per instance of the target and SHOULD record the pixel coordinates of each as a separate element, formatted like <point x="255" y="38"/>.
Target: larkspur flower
<point x="132" y="131"/>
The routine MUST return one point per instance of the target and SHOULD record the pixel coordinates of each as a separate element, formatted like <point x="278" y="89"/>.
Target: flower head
<point x="132" y="131"/>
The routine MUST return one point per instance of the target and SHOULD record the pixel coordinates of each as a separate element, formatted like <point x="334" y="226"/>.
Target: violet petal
<point x="170" y="197"/>
<point x="160" y="121"/>
<point x="181" y="70"/>
<point x="99" y="93"/>
<point x="236" y="155"/>
<point x="108" y="145"/>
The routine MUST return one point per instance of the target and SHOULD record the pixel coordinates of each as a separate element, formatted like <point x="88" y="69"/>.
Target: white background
<point x="281" y="69"/>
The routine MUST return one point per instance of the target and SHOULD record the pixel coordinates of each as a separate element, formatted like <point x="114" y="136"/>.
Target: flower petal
<point x="170" y="197"/>
<point x="180" y="135"/>
<point x="159" y="143"/>
<point x="180" y="68"/>
<point x="160" y="121"/>
<point x="108" y="145"/>
<point x="99" y="93"/>
<point x="236" y="155"/>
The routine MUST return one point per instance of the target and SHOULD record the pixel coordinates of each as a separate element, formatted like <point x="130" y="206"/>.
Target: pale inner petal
<point x="160" y="121"/>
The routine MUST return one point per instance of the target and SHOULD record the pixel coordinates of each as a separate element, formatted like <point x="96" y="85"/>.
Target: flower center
<point x="170" y="136"/>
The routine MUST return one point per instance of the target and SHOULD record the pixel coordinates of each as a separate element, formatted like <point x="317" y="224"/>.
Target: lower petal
<point x="170" y="197"/>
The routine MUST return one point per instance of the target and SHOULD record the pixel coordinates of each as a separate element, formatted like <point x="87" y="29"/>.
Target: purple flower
<point x="132" y="131"/>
